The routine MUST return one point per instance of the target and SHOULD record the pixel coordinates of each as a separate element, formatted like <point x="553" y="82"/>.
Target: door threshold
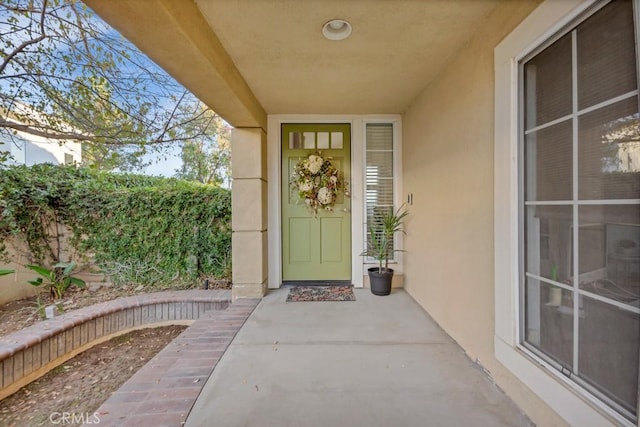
<point x="293" y="283"/>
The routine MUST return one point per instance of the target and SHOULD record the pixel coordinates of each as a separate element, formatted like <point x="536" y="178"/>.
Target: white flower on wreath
<point x="333" y="179"/>
<point x="315" y="164"/>
<point x="325" y="196"/>
<point x="306" y="186"/>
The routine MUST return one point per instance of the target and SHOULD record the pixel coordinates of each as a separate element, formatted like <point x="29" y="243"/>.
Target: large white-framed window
<point x="580" y="211"/>
<point x="568" y="208"/>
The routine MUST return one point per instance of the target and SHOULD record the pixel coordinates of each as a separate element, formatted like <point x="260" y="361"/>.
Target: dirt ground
<point x="83" y="383"/>
<point x="19" y="314"/>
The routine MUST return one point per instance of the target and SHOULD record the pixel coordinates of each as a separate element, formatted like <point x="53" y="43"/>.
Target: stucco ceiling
<point x="396" y="48"/>
<point x="249" y="58"/>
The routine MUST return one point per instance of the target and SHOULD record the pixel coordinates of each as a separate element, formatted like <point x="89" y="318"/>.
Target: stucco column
<point x="249" y="212"/>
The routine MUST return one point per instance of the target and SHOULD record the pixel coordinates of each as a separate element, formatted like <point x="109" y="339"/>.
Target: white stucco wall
<point x="30" y="150"/>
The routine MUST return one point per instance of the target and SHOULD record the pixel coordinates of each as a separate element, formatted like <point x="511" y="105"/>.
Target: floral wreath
<point x="318" y="182"/>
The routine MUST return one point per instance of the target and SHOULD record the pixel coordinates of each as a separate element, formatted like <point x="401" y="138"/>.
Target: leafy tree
<point x="108" y="157"/>
<point x="66" y="75"/>
<point x="207" y="159"/>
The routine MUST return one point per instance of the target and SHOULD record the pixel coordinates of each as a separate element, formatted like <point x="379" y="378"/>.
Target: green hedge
<point x="138" y="229"/>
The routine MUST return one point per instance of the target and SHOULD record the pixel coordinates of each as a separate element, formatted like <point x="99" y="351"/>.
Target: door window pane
<point x="323" y="140"/>
<point x="309" y="139"/>
<point x="336" y="140"/>
<point x="295" y="140"/>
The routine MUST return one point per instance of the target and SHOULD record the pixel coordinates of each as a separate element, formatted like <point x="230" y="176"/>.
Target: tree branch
<point x="46" y="133"/>
<point x="171" y="116"/>
<point x="27" y="43"/>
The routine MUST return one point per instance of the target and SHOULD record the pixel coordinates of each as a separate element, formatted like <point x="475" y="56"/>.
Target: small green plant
<point x="5" y="272"/>
<point x="40" y="307"/>
<point x="58" y="279"/>
<point x="381" y="232"/>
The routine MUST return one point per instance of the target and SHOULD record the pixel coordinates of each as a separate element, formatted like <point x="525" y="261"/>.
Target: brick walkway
<point x="164" y="390"/>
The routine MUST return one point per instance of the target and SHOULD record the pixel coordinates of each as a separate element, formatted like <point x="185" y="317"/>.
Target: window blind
<point x="379" y="171"/>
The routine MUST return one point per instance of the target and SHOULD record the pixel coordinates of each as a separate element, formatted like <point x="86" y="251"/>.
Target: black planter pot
<point x="380" y="282"/>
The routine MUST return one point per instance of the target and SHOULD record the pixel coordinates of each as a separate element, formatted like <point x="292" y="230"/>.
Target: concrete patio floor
<point x="378" y="361"/>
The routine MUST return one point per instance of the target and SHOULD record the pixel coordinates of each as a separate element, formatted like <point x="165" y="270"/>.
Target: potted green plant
<point x="382" y="230"/>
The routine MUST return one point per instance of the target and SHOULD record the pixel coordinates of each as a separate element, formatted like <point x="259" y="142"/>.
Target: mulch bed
<point x="321" y="293"/>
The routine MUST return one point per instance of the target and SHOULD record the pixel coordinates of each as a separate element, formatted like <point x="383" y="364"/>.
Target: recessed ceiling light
<point x="336" y="29"/>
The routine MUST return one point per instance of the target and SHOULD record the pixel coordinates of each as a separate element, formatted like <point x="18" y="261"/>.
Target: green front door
<point x="315" y="247"/>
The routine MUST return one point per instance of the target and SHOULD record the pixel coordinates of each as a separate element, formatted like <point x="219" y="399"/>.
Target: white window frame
<point x="571" y="402"/>
<point x="396" y="259"/>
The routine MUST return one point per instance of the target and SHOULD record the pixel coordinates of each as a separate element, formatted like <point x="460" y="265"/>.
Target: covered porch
<point x="444" y="77"/>
<point x="373" y="361"/>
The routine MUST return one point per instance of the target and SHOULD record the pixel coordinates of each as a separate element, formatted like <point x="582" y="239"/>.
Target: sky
<point x="162" y="164"/>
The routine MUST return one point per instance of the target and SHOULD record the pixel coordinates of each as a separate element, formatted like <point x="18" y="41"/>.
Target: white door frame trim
<point x="356" y="186"/>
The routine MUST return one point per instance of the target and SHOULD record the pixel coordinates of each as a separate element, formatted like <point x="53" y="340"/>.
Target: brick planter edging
<point x="28" y="354"/>
<point x="163" y="392"/>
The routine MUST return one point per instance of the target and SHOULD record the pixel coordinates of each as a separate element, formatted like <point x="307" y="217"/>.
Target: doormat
<point x="321" y="293"/>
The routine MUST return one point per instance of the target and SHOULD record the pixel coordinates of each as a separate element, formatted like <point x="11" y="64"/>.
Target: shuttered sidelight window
<point x="379" y="171"/>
